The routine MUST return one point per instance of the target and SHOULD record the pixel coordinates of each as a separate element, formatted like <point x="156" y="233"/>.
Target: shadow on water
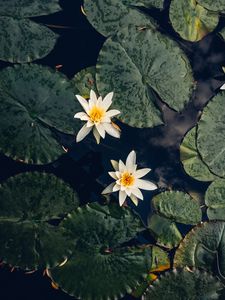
<point x="86" y="164"/>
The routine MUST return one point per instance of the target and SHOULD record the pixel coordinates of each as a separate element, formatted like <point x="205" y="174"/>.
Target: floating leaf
<point x="217" y="5"/>
<point x="186" y="285"/>
<point x="22" y="40"/>
<point x="203" y="247"/>
<point x="215" y="200"/>
<point x="210" y="135"/>
<point x="165" y="231"/>
<point x="191" y="20"/>
<point x="84" y="81"/>
<point x="28" y="8"/>
<point x="34" y="99"/>
<point x="192" y="162"/>
<point x="27" y="202"/>
<point x="178" y="207"/>
<point x="102" y="266"/>
<point x="107" y="17"/>
<point x="134" y="62"/>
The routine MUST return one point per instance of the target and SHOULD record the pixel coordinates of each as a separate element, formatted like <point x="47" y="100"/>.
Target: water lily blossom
<point x="127" y="180"/>
<point x="97" y="117"/>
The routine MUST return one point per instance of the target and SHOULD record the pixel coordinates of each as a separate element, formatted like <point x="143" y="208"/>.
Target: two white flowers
<point x="97" y="117"/>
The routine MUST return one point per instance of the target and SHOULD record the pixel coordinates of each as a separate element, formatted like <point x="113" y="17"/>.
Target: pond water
<point x="86" y="164"/>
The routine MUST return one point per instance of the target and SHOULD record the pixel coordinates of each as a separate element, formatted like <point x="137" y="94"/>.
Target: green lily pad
<point x="178" y="207"/>
<point x="84" y="81"/>
<point x="28" y="8"/>
<point x="33" y="100"/>
<point x="210" y="135"/>
<point x="107" y="17"/>
<point x="203" y="247"/>
<point x="133" y="64"/>
<point x="186" y="285"/>
<point x="191" y="160"/>
<point x="191" y="20"/>
<point x="215" y="200"/>
<point x="164" y="231"/>
<point x="22" y="40"/>
<point x="27" y="202"/>
<point x="102" y="266"/>
<point x="146" y="3"/>
<point x="217" y="5"/>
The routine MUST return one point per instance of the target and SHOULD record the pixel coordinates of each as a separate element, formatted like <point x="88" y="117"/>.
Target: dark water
<point x="86" y="164"/>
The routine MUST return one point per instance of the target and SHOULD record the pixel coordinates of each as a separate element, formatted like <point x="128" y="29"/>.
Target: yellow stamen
<point x="96" y="114"/>
<point x="127" y="179"/>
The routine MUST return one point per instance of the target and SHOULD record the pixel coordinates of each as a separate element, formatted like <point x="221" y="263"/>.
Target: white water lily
<point x="127" y="180"/>
<point x="97" y="117"/>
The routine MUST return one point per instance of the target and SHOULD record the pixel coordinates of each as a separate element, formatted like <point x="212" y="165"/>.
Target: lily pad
<point x="217" y="5"/>
<point x="102" y="266"/>
<point x="33" y="101"/>
<point x="215" y="200"/>
<point x="146" y="3"/>
<point x="210" y="135"/>
<point x="28" y="8"/>
<point x="203" y="247"/>
<point x="191" y="160"/>
<point x="22" y="40"/>
<point x="84" y="81"/>
<point x="136" y="63"/>
<point x="191" y="20"/>
<point x="186" y="285"/>
<point x="164" y="231"/>
<point x="109" y="16"/>
<point x="27" y="203"/>
<point x="178" y="207"/>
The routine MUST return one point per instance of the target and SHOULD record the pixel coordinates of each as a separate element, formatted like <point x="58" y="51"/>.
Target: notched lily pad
<point x="218" y="5"/>
<point x="109" y="16"/>
<point x="203" y="247"/>
<point x="102" y="266"/>
<point x="186" y="285"/>
<point x="210" y="135"/>
<point x="34" y="100"/>
<point x="178" y="207"/>
<point x="137" y="63"/>
<point x="191" y="160"/>
<point x="191" y="20"/>
<point x="215" y="200"/>
<point x="27" y="203"/>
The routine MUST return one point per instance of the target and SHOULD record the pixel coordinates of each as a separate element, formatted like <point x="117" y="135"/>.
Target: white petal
<point x="107" y="101"/>
<point x="83" y="102"/>
<point x="90" y="123"/>
<point x="101" y="130"/>
<point x="223" y="87"/>
<point x="134" y="199"/>
<point x="145" y="185"/>
<point x="122" y="166"/>
<point x="79" y="115"/>
<point x="116" y="188"/>
<point x="137" y="193"/>
<point x="99" y="102"/>
<point x="82" y="133"/>
<point x="118" y="174"/>
<point x="113" y="112"/>
<point x="108" y="189"/>
<point x="93" y="99"/>
<point x="131" y="160"/>
<point x="122" y="197"/>
<point x="128" y="191"/>
<point x="111" y="130"/>
<point x="115" y="164"/>
<point x="106" y="120"/>
<point x="142" y="172"/>
<point x="96" y="135"/>
<point x="113" y="175"/>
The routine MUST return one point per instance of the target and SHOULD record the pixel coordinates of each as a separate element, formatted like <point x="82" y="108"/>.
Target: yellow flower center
<point x="96" y="114"/>
<point x="127" y="179"/>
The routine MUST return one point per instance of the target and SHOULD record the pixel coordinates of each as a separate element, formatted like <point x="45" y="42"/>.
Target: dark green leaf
<point x="215" y="200"/>
<point x="84" y="81"/>
<point x="27" y="202"/>
<point x="34" y="99"/>
<point x="217" y="5"/>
